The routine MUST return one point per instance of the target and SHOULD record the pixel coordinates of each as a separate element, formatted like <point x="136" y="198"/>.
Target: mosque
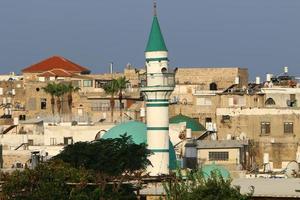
<point x="157" y="132"/>
<point x="160" y="83"/>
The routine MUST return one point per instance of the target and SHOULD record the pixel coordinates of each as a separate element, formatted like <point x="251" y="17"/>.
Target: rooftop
<point x="55" y="62"/>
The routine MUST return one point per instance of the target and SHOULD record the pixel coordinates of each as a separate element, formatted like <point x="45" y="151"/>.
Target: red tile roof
<point x="55" y="62"/>
<point x="56" y="73"/>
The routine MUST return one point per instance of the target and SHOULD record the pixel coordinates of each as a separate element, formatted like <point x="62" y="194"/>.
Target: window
<point x="43" y="104"/>
<point x="270" y="102"/>
<point x="213" y="86"/>
<point x="30" y="142"/>
<point x="218" y="156"/>
<point x="68" y="140"/>
<point x="203" y="101"/>
<point x="265" y="128"/>
<point x="288" y="127"/>
<point x="76" y="83"/>
<point x="87" y="83"/>
<point x="208" y="119"/>
<point x="52" y="141"/>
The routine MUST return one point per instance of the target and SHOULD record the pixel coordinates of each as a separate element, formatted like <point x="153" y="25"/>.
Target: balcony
<point x="157" y="80"/>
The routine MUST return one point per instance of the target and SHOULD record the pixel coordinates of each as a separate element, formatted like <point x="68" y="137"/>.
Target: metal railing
<point x="159" y="79"/>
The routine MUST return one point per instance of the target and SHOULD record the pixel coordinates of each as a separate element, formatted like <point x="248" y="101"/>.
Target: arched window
<point x="213" y="86"/>
<point x="270" y="102"/>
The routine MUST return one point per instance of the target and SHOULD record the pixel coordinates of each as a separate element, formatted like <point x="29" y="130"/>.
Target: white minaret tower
<point x="157" y="90"/>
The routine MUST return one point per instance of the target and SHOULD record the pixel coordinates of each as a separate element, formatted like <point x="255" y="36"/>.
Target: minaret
<point x="157" y="90"/>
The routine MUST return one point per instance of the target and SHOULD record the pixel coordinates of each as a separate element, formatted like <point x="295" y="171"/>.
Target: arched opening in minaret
<point x="164" y="70"/>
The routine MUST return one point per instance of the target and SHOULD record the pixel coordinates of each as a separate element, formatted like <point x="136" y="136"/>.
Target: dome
<point x="138" y="132"/>
<point x="191" y="123"/>
<point x="207" y="169"/>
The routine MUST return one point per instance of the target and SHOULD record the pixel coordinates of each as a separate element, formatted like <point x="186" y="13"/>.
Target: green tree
<point x="51" y="89"/>
<point x="70" y="91"/>
<point x="82" y="171"/>
<point x="195" y="186"/>
<point x="111" y="89"/>
<point x="121" y="83"/>
<point x="112" y="157"/>
<point x="48" y="181"/>
<point x="61" y="90"/>
<point x="109" y="159"/>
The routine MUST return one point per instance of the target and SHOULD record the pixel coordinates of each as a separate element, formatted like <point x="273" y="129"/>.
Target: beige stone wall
<point x="282" y="147"/>
<point x="223" y="77"/>
<point x="234" y="156"/>
<point x="247" y="101"/>
<point x="10" y="157"/>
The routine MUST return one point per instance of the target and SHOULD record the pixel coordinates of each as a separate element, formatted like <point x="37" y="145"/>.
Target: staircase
<point x="23" y="144"/>
<point x="8" y="129"/>
<point x="204" y="135"/>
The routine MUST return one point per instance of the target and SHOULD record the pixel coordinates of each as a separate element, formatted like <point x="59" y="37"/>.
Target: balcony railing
<point x="157" y="80"/>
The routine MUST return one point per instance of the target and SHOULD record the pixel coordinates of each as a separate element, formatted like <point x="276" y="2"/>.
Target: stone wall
<point x="223" y="77"/>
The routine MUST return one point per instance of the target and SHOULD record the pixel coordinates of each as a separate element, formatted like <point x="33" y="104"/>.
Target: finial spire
<point x="154" y="7"/>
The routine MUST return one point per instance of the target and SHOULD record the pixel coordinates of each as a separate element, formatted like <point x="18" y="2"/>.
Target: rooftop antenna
<point x="154" y="7"/>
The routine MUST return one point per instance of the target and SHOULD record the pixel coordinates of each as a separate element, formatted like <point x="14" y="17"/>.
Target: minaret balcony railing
<point x="157" y="80"/>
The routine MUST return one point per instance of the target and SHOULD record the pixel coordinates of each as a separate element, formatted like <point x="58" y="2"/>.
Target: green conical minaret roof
<point x="156" y="40"/>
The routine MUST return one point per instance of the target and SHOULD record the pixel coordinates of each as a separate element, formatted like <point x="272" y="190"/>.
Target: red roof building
<point x="56" y="65"/>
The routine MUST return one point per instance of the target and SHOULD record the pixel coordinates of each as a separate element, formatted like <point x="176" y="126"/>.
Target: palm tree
<point x="61" y="90"/>
<point x="111" y="88"/>
<point x="51" y="89"/>
<point x="122" y="83"/>
<point x="70" y="90"/>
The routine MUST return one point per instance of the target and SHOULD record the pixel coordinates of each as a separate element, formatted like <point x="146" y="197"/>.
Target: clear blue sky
<point x="263" y="35"/>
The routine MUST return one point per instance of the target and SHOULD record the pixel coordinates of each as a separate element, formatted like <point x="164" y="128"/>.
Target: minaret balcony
<point x="157" y="81"/>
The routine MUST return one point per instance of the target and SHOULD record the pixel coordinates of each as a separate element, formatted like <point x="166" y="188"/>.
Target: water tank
<point x="8" y="99"/>
<point x="16" y="121"/>
<point x="266" y="158"/>
<point x="268" y="77"/>
<point x="228" y="137"/>
<point x="142" y="112"/>
<point x="25" y="139"/>
<point x="257" y="80"/>
<point x="298" y="157"/>
<point x="237" y="80"/>
<point x="209" y="126"/>
<point x="188" y="133"/>
<point x="6" y="111"/>
<point x="213" y="136"/>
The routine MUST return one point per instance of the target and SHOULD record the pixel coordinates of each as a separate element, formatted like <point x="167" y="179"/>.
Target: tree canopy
<point x="194" y="185"/>
<point x="107" y="156"/>
<point x="82" y="171"/>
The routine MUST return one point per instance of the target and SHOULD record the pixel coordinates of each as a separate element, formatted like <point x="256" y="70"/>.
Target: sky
<point x="261" y="35"/>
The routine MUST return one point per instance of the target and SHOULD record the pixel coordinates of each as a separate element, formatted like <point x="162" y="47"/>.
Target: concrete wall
<point x="234" y="156"/>
<point x="78" y="133"/>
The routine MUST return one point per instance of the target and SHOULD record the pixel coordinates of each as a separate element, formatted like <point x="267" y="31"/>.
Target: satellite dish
<point x="292" y="169"/>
